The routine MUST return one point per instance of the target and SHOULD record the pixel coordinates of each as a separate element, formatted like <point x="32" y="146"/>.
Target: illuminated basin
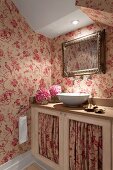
<point x="73" y="99"/>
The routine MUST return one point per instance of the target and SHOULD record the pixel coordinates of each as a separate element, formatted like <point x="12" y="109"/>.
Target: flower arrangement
<point x="42" y="96"/>
<point x="54" y="90"/>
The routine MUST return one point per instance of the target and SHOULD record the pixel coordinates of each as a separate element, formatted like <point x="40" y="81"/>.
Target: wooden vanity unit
<point x="70" y="138"/>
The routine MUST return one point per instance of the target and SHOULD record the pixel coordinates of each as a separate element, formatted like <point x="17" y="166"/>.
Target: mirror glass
<point x="84" y="55"/>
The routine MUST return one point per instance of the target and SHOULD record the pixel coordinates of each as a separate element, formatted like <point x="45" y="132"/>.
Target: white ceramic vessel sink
<point x="73" y="99"/>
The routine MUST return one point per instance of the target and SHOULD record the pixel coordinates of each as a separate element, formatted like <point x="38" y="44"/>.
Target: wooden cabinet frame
<point x="106" y="128"/>
<point x="34" y="143"/>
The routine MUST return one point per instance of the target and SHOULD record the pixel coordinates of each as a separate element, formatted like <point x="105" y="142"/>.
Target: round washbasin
<point x="73" y="99"/>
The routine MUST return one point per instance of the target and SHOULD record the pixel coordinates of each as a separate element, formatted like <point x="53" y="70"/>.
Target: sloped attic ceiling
<point x="99" y="11"/>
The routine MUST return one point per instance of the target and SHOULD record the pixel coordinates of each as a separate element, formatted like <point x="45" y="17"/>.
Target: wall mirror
<point x="85" y="55"/>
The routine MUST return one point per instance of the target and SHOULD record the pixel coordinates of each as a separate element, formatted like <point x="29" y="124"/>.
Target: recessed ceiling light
<point x="75" y="22"/>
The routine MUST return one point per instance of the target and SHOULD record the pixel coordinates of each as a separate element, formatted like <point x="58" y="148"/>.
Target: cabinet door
<point x="47" y="137"/>
<point x="87" y="143"/>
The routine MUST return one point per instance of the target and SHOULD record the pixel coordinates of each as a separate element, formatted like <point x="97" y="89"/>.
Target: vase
<point x="44" y="102"/>
<point x="54" y="99"/>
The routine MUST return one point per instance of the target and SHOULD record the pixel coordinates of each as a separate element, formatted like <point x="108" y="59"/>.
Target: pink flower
<point x="36" y="55"/>
<point x="14" y="23"/>
<point x="1" y="117"/>
<point x="69" y="82"/>
<point x="14" y="82"/>
<point x="15" y="141"/>
<point x="55" y="89"/>
<point x="1" y="53"/>
<point x="17" y="102"/>
<point x="42" y="95"/>
<point x="5" y="33"/>
<point x="89" y="82"/>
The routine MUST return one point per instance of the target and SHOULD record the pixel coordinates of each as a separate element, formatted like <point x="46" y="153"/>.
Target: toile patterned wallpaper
<point x="29" y="61"/>
<point x="100" y="85"/>
<point x="99" y="16"/>
<point x="99" y="11"/>
<point x="25" y="65"/>
<point x="101" y="5"/>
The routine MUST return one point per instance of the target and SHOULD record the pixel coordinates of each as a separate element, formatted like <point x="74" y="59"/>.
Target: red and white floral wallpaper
<point x="99" y="11"/>
<point x="29" y="61"/>
<point x="25" y="65"/>
<point x="99" y="16"/>
<point x="100" y="85"/>
<point x="101" y="5"/>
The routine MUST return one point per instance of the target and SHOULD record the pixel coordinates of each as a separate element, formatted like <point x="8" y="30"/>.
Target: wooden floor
<point x="33" y="167"/>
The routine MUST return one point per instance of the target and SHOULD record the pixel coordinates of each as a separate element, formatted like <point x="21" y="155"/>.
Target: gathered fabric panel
<point x="85" y="146"/>
<point x="48" y="136"/>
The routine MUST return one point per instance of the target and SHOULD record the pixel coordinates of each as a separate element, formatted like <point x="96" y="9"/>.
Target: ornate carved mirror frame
<point x="99" y="38"/>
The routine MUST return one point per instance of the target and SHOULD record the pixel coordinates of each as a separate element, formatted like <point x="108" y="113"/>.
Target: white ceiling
<point x="52" y="17"/>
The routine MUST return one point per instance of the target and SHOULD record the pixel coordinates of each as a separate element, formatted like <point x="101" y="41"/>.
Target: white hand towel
<point x="23" y="136"/>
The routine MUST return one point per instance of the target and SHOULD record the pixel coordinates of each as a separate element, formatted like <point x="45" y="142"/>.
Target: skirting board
<point x="22" y="161"/>
<point x="42" y="165"/>
<point x="18" y="163"/>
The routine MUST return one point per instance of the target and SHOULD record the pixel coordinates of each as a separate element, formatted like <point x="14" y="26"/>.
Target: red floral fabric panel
<point x="85" y="146"/>
<point x="48" y="136"/>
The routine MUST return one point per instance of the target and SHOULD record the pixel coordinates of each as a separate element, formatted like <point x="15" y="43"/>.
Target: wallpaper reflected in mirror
<point x="84" y="55"/>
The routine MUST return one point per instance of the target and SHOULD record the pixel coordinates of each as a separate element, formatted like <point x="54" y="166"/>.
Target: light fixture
<point x="75" y="22"/>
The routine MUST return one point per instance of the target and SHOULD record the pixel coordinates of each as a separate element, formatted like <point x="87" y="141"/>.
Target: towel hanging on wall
<point x="23" y="133"/>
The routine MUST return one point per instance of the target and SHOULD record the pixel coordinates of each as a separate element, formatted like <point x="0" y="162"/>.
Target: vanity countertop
<point x="108" y="114"/>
